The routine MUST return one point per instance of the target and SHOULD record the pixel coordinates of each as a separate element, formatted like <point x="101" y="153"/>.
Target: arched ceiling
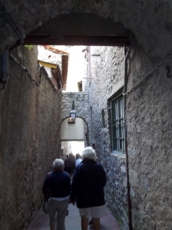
<point x="150" y="21"/>
<point x="80" y="29"/>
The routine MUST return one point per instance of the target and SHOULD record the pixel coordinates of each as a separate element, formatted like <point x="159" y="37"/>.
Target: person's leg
<point x="96" y="223"/>
<point x="61" y="214"/>
<point x="84" y="222"/>
<point x="52" y="214"/>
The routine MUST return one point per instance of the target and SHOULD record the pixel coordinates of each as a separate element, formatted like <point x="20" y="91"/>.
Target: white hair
<point x="89" y="153"/>
<point x="58" y="164"/>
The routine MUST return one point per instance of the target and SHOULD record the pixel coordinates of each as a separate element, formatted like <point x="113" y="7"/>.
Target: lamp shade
<point x="73" y="114"/>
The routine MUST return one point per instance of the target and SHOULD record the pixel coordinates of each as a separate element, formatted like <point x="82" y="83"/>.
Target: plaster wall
<point x="76" y="68"/>
<point x="72" y="131"/>
<point x="29" y="139"/>
<point x="48" y="70"/>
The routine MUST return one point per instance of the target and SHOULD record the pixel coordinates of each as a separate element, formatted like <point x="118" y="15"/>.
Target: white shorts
<point x="94" y="212"/>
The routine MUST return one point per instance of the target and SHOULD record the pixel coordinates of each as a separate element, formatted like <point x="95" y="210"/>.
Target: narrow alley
<point x="94" y="72"/>
<point x="72" y="222"/>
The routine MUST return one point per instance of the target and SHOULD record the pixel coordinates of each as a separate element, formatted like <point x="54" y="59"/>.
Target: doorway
<point x="71" y="147"/>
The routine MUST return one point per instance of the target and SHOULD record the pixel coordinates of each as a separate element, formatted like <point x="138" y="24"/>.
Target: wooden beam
<point x="77" y="40"/>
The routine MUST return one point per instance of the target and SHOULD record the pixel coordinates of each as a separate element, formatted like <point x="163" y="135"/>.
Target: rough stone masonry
<point x="148" y="123"/>
<point x="29" y="139"/>
<point x="149" y="21"/>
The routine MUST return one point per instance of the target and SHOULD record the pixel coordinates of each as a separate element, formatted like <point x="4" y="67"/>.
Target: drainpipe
<point x="4" y="69"/>
<point x="90" y="105"/>
<point x="126" y="144"/>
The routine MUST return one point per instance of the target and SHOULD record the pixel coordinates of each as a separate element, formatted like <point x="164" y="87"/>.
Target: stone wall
<point x="149" y="112"/>
<point x="29" y="138"/>
<point x="149" y="21"/>
<point x="105" y="79"/>
<point x="80" y="100"/>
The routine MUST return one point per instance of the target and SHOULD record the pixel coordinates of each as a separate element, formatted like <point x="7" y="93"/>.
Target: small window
<point x="118" y="126"/>
<point x="80" y="86"/>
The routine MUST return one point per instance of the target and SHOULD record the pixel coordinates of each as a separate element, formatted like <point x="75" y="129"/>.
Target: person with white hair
<point x="58" y="183"/>
<point x="87" y="191"/>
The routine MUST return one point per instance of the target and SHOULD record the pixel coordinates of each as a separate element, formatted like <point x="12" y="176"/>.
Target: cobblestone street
<point x="41" y="221"/>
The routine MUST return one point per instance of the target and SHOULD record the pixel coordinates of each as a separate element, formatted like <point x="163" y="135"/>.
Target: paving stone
<point x="41" y="221"/>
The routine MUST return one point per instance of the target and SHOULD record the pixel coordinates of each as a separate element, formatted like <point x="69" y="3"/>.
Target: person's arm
<point x="45" y="186"/>
<point x="74" y="187"/>
<point x="68" y="184"/>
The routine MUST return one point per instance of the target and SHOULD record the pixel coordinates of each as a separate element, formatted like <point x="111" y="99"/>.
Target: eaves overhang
<point x="47" y="64"/>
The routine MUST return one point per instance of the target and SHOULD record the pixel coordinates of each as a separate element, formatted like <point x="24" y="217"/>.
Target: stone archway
<point x="79" y="28"/>
<point x="148" y="21"/>
<point x="80" y="100"/>
<point x="74" y="135"/>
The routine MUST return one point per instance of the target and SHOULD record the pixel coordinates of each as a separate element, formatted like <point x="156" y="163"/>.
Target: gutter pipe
<point x="4" y="69"/>
<point x="126" y="144"/>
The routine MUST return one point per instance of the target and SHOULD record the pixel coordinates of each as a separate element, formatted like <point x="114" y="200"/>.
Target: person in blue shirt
<point x="87" y="190"/>
<point x="58" y="184"/>
<point x="78" y="159"/>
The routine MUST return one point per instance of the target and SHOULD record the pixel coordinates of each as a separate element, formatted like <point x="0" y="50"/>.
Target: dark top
<point x="69" y="165"/>
<point x="58" y="182"/>
<point x="87" y="185"/>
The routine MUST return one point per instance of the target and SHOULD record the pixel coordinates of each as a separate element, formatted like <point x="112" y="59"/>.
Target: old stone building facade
<point x="105" y="78"/>
<point x="140" y="171"/>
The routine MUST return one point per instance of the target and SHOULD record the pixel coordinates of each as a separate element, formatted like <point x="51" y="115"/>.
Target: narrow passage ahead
<point x="41" y="221"/>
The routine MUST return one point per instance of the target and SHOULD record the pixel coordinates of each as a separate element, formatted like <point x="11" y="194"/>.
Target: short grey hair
<point x="89" y="153"/>
<point x="58" y="164"/>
